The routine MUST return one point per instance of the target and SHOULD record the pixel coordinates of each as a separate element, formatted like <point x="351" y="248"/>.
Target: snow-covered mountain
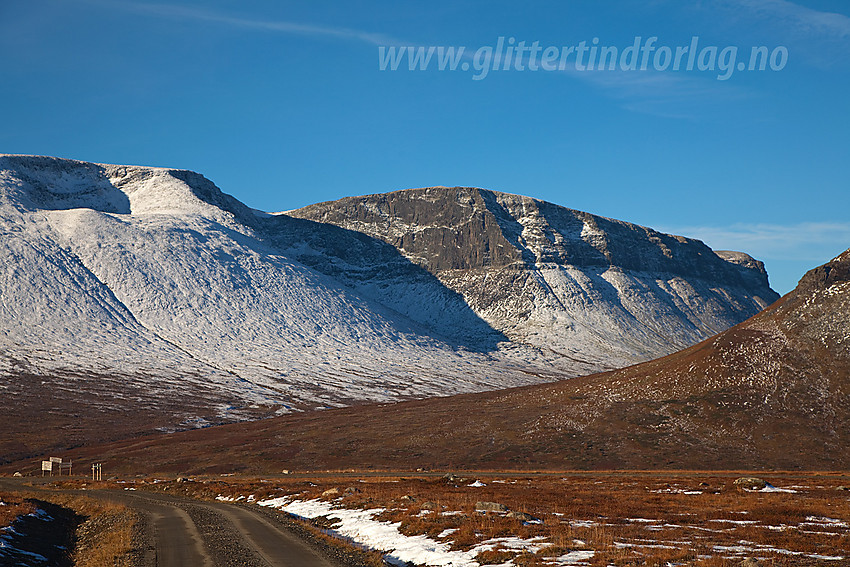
<point x="144" y="272"/>
<point x="140" y="285"/>
<point x="582" y="291"/>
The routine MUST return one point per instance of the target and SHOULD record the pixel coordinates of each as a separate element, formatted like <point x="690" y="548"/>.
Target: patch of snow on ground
<point x="749" y="547"/>
<point x="513" y="543"/>
<point x="824" y="522"/>
<point x="676" y="491"/>
<point x="624" y="545"/>
<point x="8" y="551"/>
<point x="360" y="527"/>
<point x="582" y="523"/>
<point x="771" y="488"/>
<point x="574" y="558"/>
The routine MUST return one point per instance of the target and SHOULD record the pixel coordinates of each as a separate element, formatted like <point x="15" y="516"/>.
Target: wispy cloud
<point x="663" y="94"/>
<point x="199" y="14"/>
<point x="800" y="18"/>
<point x="809" y="241"/>
<point x="815" y="36"/>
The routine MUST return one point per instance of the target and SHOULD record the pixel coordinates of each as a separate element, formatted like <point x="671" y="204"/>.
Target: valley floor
<point x="567" y="519"/>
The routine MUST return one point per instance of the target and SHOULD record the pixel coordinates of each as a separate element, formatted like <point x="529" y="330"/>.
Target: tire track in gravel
<point x="176" y="538"/>
<point x="206" y="534"/>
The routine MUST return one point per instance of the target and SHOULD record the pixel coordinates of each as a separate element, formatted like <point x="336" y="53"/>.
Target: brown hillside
<point x="771" y="392"/>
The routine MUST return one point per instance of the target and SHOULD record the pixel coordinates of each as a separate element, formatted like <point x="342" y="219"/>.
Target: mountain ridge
<point x="475" y="241"/>
<point x="130" y="285"/>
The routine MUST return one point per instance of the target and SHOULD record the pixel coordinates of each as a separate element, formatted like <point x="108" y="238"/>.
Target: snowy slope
<point x="135" y="272"/>
<point x="158" y="280"/>
<point x="573" y="286"/>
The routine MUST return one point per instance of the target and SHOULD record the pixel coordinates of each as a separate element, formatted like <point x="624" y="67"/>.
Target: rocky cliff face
<point x="599" y="291"/>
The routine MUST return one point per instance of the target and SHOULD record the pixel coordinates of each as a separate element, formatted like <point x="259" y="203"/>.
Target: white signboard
<point x="47" y="465"/>
<point x="55" y="459"/>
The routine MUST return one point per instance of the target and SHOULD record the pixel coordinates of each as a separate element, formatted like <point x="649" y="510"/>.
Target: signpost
<point x="95" y="471"/>
<point x="55" y="464"/>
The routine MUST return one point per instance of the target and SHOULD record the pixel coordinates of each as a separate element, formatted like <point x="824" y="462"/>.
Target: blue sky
<point x="283" y="104"/>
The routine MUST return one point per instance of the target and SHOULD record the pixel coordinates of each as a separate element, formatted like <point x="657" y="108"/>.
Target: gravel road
<point x="206" y="534"/>
<point x="179" y="532"/>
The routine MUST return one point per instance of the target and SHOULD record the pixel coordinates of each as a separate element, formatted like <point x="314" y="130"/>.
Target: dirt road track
<point x="187" y="533"/>
<point x="210" y="534"/>
<point x="175" y="540"/>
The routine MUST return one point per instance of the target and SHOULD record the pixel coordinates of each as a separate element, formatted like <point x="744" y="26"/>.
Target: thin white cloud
<point x="199" y="14"/>
<point x="816" y="37"/>
<point x="809" y="241"/>
<point x="663" y="94"/>
<point x="800" y="18"/>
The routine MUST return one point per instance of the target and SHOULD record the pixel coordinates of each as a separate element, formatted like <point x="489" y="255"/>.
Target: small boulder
<point x="428" y="505"/>
<point x="330" y="492"/>
<point x="750" y="562"/>
<point x="326" y="522"/>
<point x="490" y="507"/>
<point x="522" y="517"/>
<point x="351" y="490"/>
<point x="285" y="471"/>
<point x="17" y="474"/>
<point x="750" y="483"/>
<point x="181" y="479"/>
<point x="838" y="488"/>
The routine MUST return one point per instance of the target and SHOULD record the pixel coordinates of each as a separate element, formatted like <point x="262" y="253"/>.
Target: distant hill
<point x="770" y="393"/>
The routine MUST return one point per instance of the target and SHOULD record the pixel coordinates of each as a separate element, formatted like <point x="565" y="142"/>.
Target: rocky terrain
<point x="134" y="298"/>
<point x="770" y="393"/>
<point x="586" y="292"/>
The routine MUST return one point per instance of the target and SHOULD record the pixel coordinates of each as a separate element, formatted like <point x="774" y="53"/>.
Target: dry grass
<point x="103" y="539"/>
<point x="625" y="518"/>
<point x="13" y="506"/>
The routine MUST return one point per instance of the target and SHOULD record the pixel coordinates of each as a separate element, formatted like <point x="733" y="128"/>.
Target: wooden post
<point x="55" y="463"/>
